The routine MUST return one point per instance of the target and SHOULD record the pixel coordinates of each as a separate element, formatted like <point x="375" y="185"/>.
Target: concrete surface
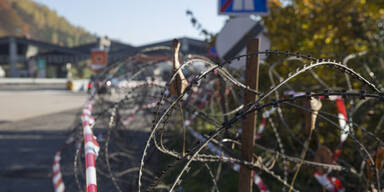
<point x="21" y="104"/>
<point x="33" y="81"/>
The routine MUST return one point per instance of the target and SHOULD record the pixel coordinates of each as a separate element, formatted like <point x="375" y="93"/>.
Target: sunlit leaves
<point x="320" y="26"/>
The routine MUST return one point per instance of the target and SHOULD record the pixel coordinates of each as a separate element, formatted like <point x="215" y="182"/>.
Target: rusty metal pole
<point x="249" y="124"/>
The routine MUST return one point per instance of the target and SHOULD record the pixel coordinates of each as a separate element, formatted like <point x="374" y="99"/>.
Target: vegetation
<point x="327" y="26"/>
<point x="32" y="20"/>
<point x="322" y="29"/>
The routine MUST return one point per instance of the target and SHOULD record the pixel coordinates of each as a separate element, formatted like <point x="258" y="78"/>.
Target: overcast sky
<point x="139" y="22"/>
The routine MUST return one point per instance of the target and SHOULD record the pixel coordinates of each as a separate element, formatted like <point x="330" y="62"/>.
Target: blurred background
<point x="52" y="50"/>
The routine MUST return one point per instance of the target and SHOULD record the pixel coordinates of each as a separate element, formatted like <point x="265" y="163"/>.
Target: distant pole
<point x="13" y="57"/>
<point x="249" y="124"/>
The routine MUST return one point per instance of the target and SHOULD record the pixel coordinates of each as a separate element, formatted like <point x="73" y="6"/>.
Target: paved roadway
<point x="33" y="125"/>
<point x="18" y="104"/>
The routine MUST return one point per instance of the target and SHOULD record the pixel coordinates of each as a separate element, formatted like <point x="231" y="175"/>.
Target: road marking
<point x="239" y="5"/>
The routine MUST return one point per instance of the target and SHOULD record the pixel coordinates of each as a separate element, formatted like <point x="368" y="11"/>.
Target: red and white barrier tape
<point x="341" y="109"/>
<point x="332" y="184"/>
<point x="57" y="178"/>
<point x="259" y="182"/>
<point x="91" y="147"/>
<point x="263" y="123"/>
<point x="136" y="84"/>
<point x="343" y="118"/>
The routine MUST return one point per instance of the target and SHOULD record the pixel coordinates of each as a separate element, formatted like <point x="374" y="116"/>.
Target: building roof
<point x="115" y="46"/>
<point x="4" y="43"/>
<point x="117" y="50"/>
<point x="188" y="45"/>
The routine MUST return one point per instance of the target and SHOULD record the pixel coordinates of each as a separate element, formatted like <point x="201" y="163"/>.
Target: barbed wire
<point x="213" y="136"/>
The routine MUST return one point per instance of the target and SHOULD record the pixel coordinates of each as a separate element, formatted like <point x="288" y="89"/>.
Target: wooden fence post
<point x="249" y="124"/>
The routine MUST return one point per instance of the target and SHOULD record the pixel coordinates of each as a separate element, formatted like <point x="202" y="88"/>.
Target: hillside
<point x="36" y="21"/>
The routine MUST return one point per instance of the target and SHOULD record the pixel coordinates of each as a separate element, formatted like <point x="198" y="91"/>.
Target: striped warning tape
<point x="332" y="184"/>
<point x="91" y="146"/>
<point x="57" y="177"/>
<point x="136" y="84"/>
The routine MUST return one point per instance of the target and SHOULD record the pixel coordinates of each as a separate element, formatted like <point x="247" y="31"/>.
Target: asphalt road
<point x="33" y="126"/>
<point x="22" y="104"/>
<point x="27" y="150"/>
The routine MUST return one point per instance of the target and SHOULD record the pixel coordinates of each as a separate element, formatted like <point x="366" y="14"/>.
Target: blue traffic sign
<point x="242" y="7"/>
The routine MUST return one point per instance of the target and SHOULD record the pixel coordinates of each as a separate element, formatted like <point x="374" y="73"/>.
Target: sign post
<point x="231" y="41"/>
<point x="249" y="124"/>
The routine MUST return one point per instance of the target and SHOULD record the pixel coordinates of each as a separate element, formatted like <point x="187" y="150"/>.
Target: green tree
<point x="26" y="17"/>
<point x="324" y="26"/>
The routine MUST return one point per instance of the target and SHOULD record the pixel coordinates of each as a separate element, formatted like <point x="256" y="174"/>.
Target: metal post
<point x="13" y="57"/>
<point x="249" y="124"/>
